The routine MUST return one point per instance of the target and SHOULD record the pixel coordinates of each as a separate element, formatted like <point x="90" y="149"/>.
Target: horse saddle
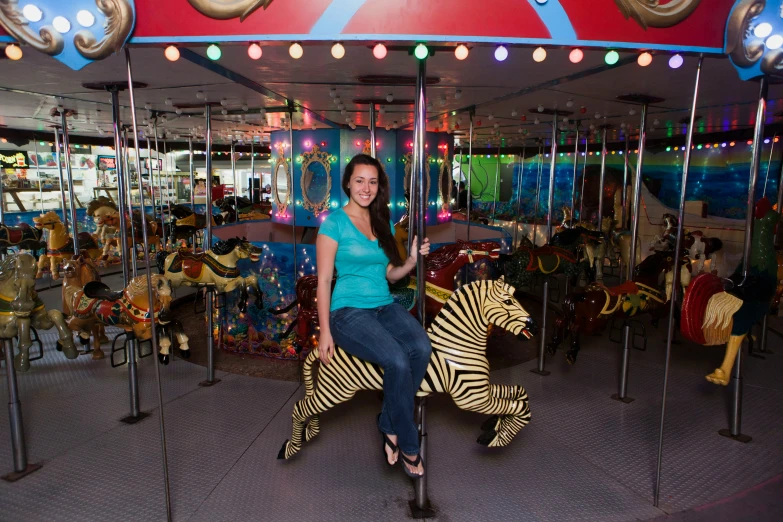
<point x="184" y="253"/>
<point x="629" y="287"/>
<point x="98" y="290"/>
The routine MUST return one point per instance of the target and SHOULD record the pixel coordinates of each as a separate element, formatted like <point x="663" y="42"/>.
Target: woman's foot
<point x="413" y="465"/>
<point x="392" y="453"/>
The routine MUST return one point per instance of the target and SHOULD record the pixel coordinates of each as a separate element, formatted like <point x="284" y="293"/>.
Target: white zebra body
<point x="458" y="366"/>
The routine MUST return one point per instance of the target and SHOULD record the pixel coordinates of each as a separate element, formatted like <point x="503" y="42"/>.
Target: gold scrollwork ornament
<point x="650" y="13"/>
<point x="744" y="53"/>
<point x="228" y="9"/>
<point x="316" y="155"/>
<point x="47" y="40"/>
<point x="445" y="181"/>
<point x="408" y="159"/>
<point x="281" y="162"/>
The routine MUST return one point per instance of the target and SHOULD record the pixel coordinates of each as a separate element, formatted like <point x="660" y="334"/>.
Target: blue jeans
<point x="392" y="338"/>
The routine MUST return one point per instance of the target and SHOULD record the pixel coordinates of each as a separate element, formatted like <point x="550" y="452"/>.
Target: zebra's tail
<point x="307" y="372"/>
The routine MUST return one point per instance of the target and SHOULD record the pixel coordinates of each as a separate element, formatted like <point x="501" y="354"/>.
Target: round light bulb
<point x="178" y="111"/>
<point x="168" y="101"/>
<point x="539" y="55"/>
<point x="501" y="53"/>
<point x="774" y="41"/>
<point x="675" y="62"/>
<point x="171" y="53"/>
<point x="379" y="51"/>
<point x="421" y="51"/>
<point x="85" y="18"/>
<point x="576" y="55"/>
<point x="632" y="112"/>
<point x="13" y="52"/>
<point x="254" y="51"/>
<point x="244" y="108"/>
<point x="457" y="94"/>
<point x="514" y="113"/>
<point x="296" y="51"/>
<point x="540" y="108"/>
<point x="61" y="24"/>
<point x="461" y="52"/>
<point x="611" y="58"/>
<point x="536" y="121"/>
<point x="200" y="95"/>
<point x="763" y="30"/>
<point x="224" y="102"/>
<point x="390" y="97"/>
<point x="338" y="51"/>
<point x="597" y="115"/>
<point x="644" y="59"/>
<point x="570" y="103"/>
<point x="214" y="53"/>
<point x="32" y="13"/>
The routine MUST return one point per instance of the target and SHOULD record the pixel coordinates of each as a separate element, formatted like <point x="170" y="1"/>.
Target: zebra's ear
<point x="502" y="280"/>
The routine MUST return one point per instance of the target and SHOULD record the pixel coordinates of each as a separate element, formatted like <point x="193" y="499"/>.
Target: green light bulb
<point x="214" y="53"/>
<point x="611" y="58"/>
<point x="421" y="51"/>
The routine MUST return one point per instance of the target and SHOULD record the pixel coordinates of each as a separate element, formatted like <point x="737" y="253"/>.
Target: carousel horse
<point x="185" y="223"/>
<point x="59" y="245"/>
<point x="217" y="267"/>
<point x="668" y="237"/>
<point x="21" y="308"/>
<point x="132" y="309"/>
<point x="23" y="237"/>
<point x="589" y="310"/>
<point x="103" y="211"/>
<point x="441" y="267"/>
<point x="77" y="272"/>
<point x="702" y="248"/>
<point x="458" y="366"/>
<point x="595" y="248"/>
<point x="110" y="217"/>
<point x="715" y="311"/>
<point x="559" y="256"/>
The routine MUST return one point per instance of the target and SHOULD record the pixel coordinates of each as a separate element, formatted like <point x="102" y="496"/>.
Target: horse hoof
<point x="490" y="423"/>
<point x="97" y="355"/>
<point x="21" y="364"/>
<point x="486" y="438"/>
<point x="185" y="354"/>
<point x="281" y="453"/>
<point x="551" y="348"/>
<point x="83" y="341"/>
<point x="164" y="359"/>
<point x="571" y="358"/>
<point x="103" y="339"/>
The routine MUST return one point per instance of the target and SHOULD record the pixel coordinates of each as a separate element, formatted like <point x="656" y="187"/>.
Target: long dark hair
<point x="379" y="208"/>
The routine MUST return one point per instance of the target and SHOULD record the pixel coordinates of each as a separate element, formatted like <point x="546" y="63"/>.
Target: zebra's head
<point x="502" y="309"/>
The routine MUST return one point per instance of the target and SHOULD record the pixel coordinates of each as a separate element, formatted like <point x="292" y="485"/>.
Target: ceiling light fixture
<point x="171" y="53"/>
<point x="461" y="52"/>
<point x="338" y="51"/>
<point x="295" y="50"/>
<point x="539" y="55"/>
<point x="576" y="55"/>
<point x="379" y="51"/>
<point x="501" y="53"/>
<point x="214" y="53"/>
<point x="254" y="51"/>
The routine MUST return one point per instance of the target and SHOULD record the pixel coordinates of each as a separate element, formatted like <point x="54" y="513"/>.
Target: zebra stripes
<point x="458" y="366"/>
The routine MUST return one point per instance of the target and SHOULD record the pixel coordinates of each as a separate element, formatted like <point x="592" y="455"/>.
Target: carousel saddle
<point x="629" y="287"/>
<point x="184" y="253"/>
<point x="98" y="290"/>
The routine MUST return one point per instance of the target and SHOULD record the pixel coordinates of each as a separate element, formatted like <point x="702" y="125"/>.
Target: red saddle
<point x="629" y="287"/>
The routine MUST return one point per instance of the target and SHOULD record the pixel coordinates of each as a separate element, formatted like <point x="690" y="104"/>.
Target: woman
<point x="358" y="242"/>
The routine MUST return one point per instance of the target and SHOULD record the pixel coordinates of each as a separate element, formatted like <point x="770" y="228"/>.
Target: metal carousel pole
<point x="234" y="177"/>
<point x="584" y="177"/>
<point x="626" y="166"/>
<point x="58" y="151"/>
<point x="293" y="201"/>
<point x="675" y="274"/>
<point x="253" y="172"/>
<point x="38" y="174"/>
<point x="210" y="294"/>
<point x="645" y="101"/>
<point x="420" y="505"/>
<point x="167" y="492"/>
<point x="599" y="263"/>
<point x="373" y="152"/>
<point x="495" y="191"/>
<point x="128" y="219"/>
<point x="470" y="168"/>
<point x="519" y="196"/>
<point x="538" y="189"/>
<point x="160" y="182"/>
<point x="69" y="172"/>
<point x="735" y="420"/>
<point x="576" y="168"/>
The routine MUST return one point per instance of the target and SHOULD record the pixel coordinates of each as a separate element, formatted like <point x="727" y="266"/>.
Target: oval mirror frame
<point x="444" y="179"/>
<point x="282" y="203"/>
<point x="409" y="168"/>
<point x="316" y="155"/>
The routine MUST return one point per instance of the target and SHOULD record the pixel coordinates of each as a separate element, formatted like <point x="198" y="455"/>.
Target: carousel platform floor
<point x="583" y="457"/>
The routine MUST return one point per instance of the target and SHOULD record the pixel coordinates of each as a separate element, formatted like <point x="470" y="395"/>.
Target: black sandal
<point x="387" y="442"/>
<point x="415" y="463"/>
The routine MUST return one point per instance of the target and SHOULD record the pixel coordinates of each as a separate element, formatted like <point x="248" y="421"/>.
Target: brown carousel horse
<point x="77" y="272"/>
<point x="107" y="212"/>
<point x="589" y="310"/>
<point x="442" y="267"/>
<point x="59" y="245"/>
<point x="132" y="309"/>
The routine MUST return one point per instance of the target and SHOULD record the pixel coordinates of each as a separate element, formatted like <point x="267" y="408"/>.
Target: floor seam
<point x="236" y="461"/>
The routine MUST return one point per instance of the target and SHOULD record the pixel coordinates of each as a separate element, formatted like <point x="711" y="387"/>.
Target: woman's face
<point x="364" y="185"/>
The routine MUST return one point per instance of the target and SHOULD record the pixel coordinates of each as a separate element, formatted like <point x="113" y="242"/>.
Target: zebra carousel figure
<point x="458" y="366"/>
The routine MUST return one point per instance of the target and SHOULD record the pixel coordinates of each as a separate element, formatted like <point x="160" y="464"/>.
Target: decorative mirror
<point x="408" y="159"/>
<point x="281" y="181"/>
<point x="445" y="183"/>
<point x="316" y="180"/>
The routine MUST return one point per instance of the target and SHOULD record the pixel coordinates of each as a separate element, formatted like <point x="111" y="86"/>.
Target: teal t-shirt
<point x="360" y="265"/>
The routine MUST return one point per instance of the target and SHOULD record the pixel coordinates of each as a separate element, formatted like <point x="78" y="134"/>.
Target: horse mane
<point x="139" y="284"/>
<point x="100" y="202"/>
<point x="222" y="248"/>
<point x="7" y="267"/>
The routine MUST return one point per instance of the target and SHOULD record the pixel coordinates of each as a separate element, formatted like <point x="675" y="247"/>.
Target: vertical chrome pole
<point x="193" y="189"/>
<point x="210" y="294"/>
<point x="582" y="192"/>
<point x="58" y="150"/>
<point x="162" y="198"/>
<point x="373" y="152"/>
<point x="293" y="201"/>
<point x="420" y="506"/>
<point x="154" y="338"/>
<point x="151" y="171"/>
<point x="519" y="197"/>
<point x="624" y="216"/>
<point x="545" y="297"/>
<point x="38" y="174"/>
<point x="252" y="172"/>
<point x="121" y="173"/>
<point x="495" y="192"/>
<point x="234" y="176"/>
<point x="622" y="393"/>
<point x="18" y="447"/>
<point x="576" y="168"/>
<point x="602" y="178"/>
<point x="470" y="169"/>
<point x="126" y="221"/>
<point x="69" y="172"/>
